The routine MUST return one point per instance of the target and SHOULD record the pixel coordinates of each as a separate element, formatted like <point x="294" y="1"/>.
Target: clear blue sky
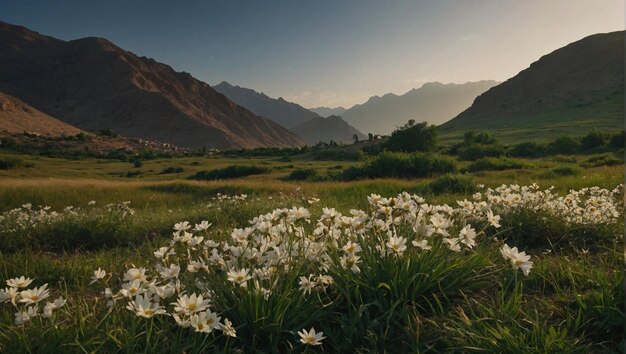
<point x="328" y="52"/>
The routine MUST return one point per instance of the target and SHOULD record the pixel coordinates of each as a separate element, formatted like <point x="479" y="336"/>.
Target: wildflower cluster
<point x="587" y="206"/>
<point x="28" y="301"/>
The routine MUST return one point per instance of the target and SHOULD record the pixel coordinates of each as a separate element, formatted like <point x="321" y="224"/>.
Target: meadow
<point x="292" y="253"/>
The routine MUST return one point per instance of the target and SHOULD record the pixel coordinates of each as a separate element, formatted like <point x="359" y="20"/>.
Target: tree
<point x="413" y="137"/>
<point x="355" y="137"/>
<point x="370" y="136"/>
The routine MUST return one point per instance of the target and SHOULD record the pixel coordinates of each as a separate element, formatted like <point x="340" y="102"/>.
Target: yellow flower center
<point x="191" y="307"/>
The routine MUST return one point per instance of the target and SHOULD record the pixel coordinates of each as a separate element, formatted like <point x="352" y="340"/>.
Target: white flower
<point x="9" y="294"/>
<point x="202" y="226"/>
<point x="351" y="247"/>
<point x="97" y="275"/>
<point x="51" y="306"/>
<point x="143" y="307"/>
<point x="93" y="202"/>
<point x="350" y="261"/>
<point x="20" y="282"/>
<point x="35" y="295"/>
<point x="423" y="244"/>
<point x="205" y="322"/>
<point x="132" y="288"/>
<point x="135" y="274"/>
<point x="228" y="329"/>
<point x="306" y="284"/>
<point x="22" y="317"/>
<point x="182" y="226"/>
<point x="169" y="273"/>
<point x="164" y="252"/>
<point x="467" y="236"/>
<point x="310" y="337"/>
<point x="190" y="304"/>
<point x="397" y="244"/>
<point x="519" y="260"/>
<point x="239" y="276"/>
<point x="494" y="220"/>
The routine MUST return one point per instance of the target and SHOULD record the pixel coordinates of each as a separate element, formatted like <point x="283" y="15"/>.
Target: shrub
<point x="602" y="160"/>
<point x="564" y="145"/>
<point x="592" y="140"/>
<point x="401" y="165"/>
<point x="301" y="174"/>
<point x="527" y="149"/>
<point x="451" y="183"/>
<point x="476" y="151"/>
<point x="172" y="170"/>
<point x="107" y="132"/>
<point x="413" y="137"/>
<point x="137" y="162"/>
<point x="233" y="171"/>
<point x="617" y="140"/>
<point x="338" y="155"/>
<point x="494" y="164"/>
<point x="9" y="163"/>
<point x="566" y="171"/>
<point x="8" y="143"/>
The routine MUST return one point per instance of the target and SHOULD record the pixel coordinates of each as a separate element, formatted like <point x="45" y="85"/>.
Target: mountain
<point x="434" y="103"/>
<point x="285" y="113"/>
<point x="92" y="84"/>
<point x="572" y="90"/>
<point x="326" y="129"/>
<point x="18" y="117"/>
<point x="306" y="124"/>
<point x="327" y="112"/>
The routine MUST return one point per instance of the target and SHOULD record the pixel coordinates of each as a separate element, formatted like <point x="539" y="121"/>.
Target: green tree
<point x="413" y="137"/>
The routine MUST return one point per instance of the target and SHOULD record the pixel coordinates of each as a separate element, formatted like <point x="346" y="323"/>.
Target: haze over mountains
<point x="306" y="124"/>
<point x="434" y="103"/>
<point x="577" y="86"/>
<point x="92" y="84"/>
<point x="327" y="112"/>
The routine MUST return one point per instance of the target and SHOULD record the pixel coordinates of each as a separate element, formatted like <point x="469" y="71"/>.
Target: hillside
<point x="279" y="110"/>
<point x="92" y="84"/>
<point x="434" y="103"/>
<point x="572" y="90"/>
<point x="18" y="117"/>
<point x="327" y="111"/>
<point x="325" y="130"/>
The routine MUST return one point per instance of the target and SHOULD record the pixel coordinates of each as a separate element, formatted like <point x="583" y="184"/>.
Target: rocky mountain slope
<point x="573" y="89"/>
<point x="328" y="129"/>
<point x="93" y="84"/>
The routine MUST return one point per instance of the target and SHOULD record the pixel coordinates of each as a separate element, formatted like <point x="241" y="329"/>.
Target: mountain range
<point x="574" y="89"/>
<point x="434" y="103"/>
<point x="308" y="125"/>
<point x="327" y="111"/>
<point x="92" y="84"/>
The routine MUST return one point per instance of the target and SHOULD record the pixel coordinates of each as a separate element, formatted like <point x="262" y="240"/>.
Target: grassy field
<point x="444" y="299"/>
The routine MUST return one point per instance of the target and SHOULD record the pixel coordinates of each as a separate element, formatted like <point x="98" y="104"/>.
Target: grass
<point x="572" y="301"/>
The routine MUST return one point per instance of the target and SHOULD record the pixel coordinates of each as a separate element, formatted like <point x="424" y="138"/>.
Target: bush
<point x="172" y="170"/>
<point x="617" y="140"/>
<point x="476" y="151"/>
<point x="450" y="183"/>
<point x="493" y="164"/>
<point x="602" y="160"/>
<point x="137" y="162"/>
<point x="566" y="171"/>
<point x="413" y="137"/>
<point x="527" y="149"/>
<point x="301" y="174"/>
<point x="233" y="171"/>
<point x="107" y="132"/>
<point x="592" y="140"/>
<point x="564" y="145"/>
<point x="8" y="163"/>
<point x="8" y="143"/>
<point x="338" y="155"/>
<point x="401" y="165"/>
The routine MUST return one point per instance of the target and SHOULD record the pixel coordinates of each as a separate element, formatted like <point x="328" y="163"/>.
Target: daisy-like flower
<point x="132" y="288"/>
<point x="182" y="226"/>
<point x="164" y="252"/>
<point x="423" y="244"/>
<point x="519" y="260"/>
<point x="34" y="295"/>
<point x="19" y="283"/>
<point x="135" y="274"/>
<point x="228" y="329"/>
<point x="169" y="273"/>
<point x="239" y="276"/>
<point x="205" y="322"/>
<point x="22" y="317"/>
<point x="397" y="244"/>
<point x="494" y="220"/>
<point x="467" y="236"/>
<point x="310" y="337"/>
<point x="202" y="226"/>
<point x="190" y="304"/>
<point x="196" y="266"/>
<point x="352" y="248"/>
<point x="97" y="275"/>
<point x="350" y="261"/>
<point x="143" y="307"/>
<point x="9" y="294"/>
<point x="306" y="284"/>
<point x="51" y="306"/>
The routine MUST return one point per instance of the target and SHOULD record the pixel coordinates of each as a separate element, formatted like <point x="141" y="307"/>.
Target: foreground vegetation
<point x="292" y="257"/>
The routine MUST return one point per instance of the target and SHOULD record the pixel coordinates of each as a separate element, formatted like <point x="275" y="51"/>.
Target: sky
<point x="328" y="52"/>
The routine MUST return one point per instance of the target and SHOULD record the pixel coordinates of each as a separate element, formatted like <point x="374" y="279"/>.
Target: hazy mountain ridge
<point x="306" y="124"/>
<point x="332" y="128"/>
<point x="92" y="84"/>
<point x="327" y="111"/>
<point x="579" y="84"/>
<point x="285" y="113"/>
<point x="434" y="103"/>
